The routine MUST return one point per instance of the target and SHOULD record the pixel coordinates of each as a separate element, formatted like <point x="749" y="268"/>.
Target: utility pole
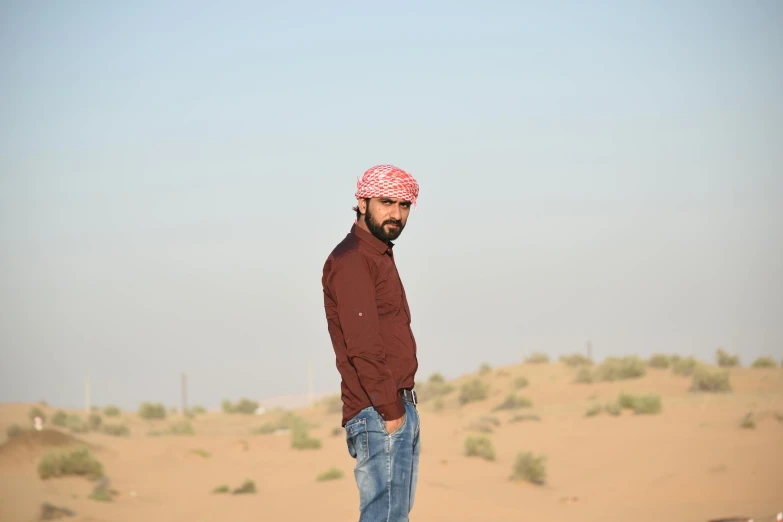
<point x="87" y="394"/>
<point x="184" y="383"/>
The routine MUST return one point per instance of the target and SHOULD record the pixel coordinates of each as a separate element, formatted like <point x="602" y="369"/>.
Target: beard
<point x="377" y="229"/>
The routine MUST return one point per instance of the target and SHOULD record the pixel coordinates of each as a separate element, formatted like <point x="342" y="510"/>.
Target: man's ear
<point x="363" y="206"/>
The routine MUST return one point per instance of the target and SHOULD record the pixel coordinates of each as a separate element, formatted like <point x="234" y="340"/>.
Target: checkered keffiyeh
<point x="387" y="181"/>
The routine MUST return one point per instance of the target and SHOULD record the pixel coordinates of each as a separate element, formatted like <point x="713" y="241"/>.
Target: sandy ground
<point x="692" y="462"/>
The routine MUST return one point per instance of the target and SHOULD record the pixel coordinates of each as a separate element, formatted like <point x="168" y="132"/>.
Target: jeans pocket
<point x="357" y="440"/>
<point x="398" y="430"/>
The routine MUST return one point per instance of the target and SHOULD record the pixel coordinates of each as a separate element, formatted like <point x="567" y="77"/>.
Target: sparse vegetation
<point x="710" y="381"/>
<point x="34" y="412"/>
<point x="625" y="400"/>
<point x="435" y="387"/>
<point x="244" y="406"/>
<point x="60" y="418"/>
<point x="94" y="422"/>
<point x="764" y="362"/>
<point x="117" y="430"/>
<point x="112" y="411"/>
<point x="513" y="402"/>
<point x="75" y="424"/>
<point x="301" y="439"/>
<point x="248" y="486"/>
<point x="14" y="430"/>
<point x="76" y="462"/>
<point x="438" y="405"/>
<point x="181" y="427"/>
<point x="584" y="376"/>
<point x="286" y="422"/>
<point x="149" y="410"/>
<point x="223" y="488"/>
<point x="618" y="368"/>
<point x="748" y="421"/>
<point x="479" y="446"/>
<point x="330" y="474"/>
<point x="520" y="382"/>
<point x="647" y="404"/>
<point x="332" y="404"/>
<point x="537" y="358"/>
<point x="613" y="408"/>
<point x="198" y="410"/>
<point x="102" y="492"/>
<point x="485" y="369"/>
<point x="485" y="424"/>
<point x="529" y="468"/>
<point x="726" y="360"/>
<point x="684" y="366"/>
<point x="576" y="359"/>
<point x="204" y="454"/>
<point x="472" y="391"/>
<point x="520" y="417"/>
<point x="659" y="360"/>
<point x="593" y="410"/>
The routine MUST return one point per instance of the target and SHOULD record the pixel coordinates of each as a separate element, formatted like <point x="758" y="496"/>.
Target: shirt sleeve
<point x="353" y="289"/>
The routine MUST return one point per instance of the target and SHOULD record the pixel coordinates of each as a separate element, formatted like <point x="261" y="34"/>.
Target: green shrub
<point x="244" y="406"/>
<point x="60" y="418"/>
<point x="647" y="404"/>
<point x="438" y="404"/>
<point x="659" y="360"/>
<point x="14" y="430"/>
<point x="227" y="406"/>
<point x="524" y="417"/>
<point x="112" y="411"/>
<point x="593" y="410"/>
<point x="333" y="404"/>
<point x="75" y="424"/>
<point x="102" y="492"/>
<point x="726" y="360"/>
<point x="94" y="422"/>
<point x="198" y="410"/>
<point x="617" y="368"/>
<point x="301" y="439"/>
<point x="485" y="369"/>
<point x="117" y="430"/>
<point x="475" y="390"/>
<point x="584" y="376"/>
<point x="435" y="387"/>
<point x="149" y="410"/>
<point x="286" y="421"/>
<point x="223" y="488"/>
<point x="247" y="487"/>
<point x="576" y="359"/>
<point x="764" y="362"/>
<point x="204" y="454"/>
<point x="684" y="366"/>
<point x="513" y="402"/>
<point x="626" y="400"/>
<point x="330" y="474"/>
<point x="181" y="427"/>
<point x="748" y="421"/>
<point x="36" y="412"/>
<point x="480" y="446"/>
<point x="520" y="382"/>
<point x="537" y="358"/>
<point x="710" y="381"/>
<point x="529" y="468"/>
<point x="76" y="462"/>
<point x="485" y="424"/>
<point x="613" y="408"/>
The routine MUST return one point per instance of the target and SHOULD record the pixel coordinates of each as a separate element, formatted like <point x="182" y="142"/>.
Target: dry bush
<point x="332" y="404"/>
<point x="198" y="410"/>
<point x="223" y="488"/>
<point x="522" y="417"/>
<point x="332" y="473"/>
<point x="659" y="360"/>
<point x="94" y="422"/>
<point x="244" y="406"/>
<point x="181" y="427"/>
<point x="764" y="362"/>
<point x="301" y="439"/>
<point x="593" y="410"/>
<point x="725" y="359"/>
<point x="685" y="366"/>
<point x="117" y="430"/>
<point x="529" y="468"/>
<point x="710" y="381"/>
<point x="520" y="382"/>
<point x="513" y="402"/>
<point x="485" y="369"/>
<point x="75" y="424"/>
<point x="60" y="418"/>
<point x="479" y="446"/>
<point x="112" y="411"/>
<point x="149" y="410"/>
<point x="14" y="430"/>
<point x="576" y="359"/>
<point x="286" y="421"/>
<point x="537" y="358"/>
<point x="435" y="387"/>
<point x="247" y="487"/>
<point x="103" y="492"/>
<point x="475" y="390"/>
<point x="647" y="404"/>
<point x="618" y="368"/>
<point x="76" y="462"/>
<point x="584" y="376"/>
<point x="748" y="421"/>
<point x="613" y="408"/>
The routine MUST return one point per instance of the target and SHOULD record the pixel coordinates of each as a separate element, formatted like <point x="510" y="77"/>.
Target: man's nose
<point x="396" y="213"/>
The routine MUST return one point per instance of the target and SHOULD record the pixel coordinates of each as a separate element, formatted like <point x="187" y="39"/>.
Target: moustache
<point x="392" y="222"/>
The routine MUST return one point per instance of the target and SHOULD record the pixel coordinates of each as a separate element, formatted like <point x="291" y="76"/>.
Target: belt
<point x="409" y="395"/>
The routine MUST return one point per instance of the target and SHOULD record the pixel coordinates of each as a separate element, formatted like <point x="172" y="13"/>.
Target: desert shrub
<point x="301" y="439"/>
<point x="485" y="424"/>
<point x="330" y="474"/>
<point x="94" y="422"/>
<point x="513" y="402"/>
<point x="764" y="362"/>
<point x="286" y="421"/>
<point x="593" y="410"/>
<point x="112" y="411"/>
<point x="149" y="410"/>
<point x="479" y="446"/>
<point x="435" y="387"/>
<point x="748" y="421"/>
<point x="613" y="408"/>
<point x="438" y="404"/>
<point x="198" y="410"/>
<point x="117" y="430"/>
<point x="625" y="400"/>
<point x="725" y="359"/>
<point x="244" y="406"/>
<point x="223" y="488"/>
<point x="529" y="468"/>
<point x="227" y="406"/>
<point x="684" y="366"/>
<point x="75" y="424"/>
<point x="333" y="404"/>
<point x="102" y="492"/>
<point x="520" y="417"/>
<point x="659" y="360"/>
<point x="617" y="368"/>
<point x="204" y="454"/>
<point x="576" y="359"/>
<point x="181" y="427"/>
<point x="14" y="430"/>
<point x="76" y="462"/>
<point x="59" y="418"/>
<point x="475" y="390"/>
<point x="520" y="382"/>
<point x="247" y="486"/>
<point x="647" y="404"/>
<point x="584" y="376"/>
<point x="485" y="369"/>
<point x="537" y="358"/>
<point x="36" y="412"/>
<point x="710" y="381"/>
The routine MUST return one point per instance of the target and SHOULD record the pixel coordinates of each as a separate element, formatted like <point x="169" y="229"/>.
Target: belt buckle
<point x="414" y="397"/>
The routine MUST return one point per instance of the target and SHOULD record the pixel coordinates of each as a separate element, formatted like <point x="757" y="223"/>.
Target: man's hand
<point x="393" y="425"/>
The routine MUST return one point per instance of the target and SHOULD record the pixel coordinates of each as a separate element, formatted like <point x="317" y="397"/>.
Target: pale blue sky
<point x="172" y="178"/>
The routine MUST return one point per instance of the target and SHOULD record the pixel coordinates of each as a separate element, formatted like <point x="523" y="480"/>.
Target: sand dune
<point x="691" y="462"/>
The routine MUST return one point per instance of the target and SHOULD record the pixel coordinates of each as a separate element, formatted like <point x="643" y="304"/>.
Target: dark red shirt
<point x="369" y="322"/>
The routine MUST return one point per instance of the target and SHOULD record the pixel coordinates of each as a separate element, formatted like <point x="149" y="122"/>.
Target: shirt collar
<point x="375" y="243"/>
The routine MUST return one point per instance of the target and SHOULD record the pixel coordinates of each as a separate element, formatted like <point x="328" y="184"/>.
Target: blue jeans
<point x="387" y="466"/>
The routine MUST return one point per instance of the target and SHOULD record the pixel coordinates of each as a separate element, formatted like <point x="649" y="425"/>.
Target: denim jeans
<point x="387" y="466"/>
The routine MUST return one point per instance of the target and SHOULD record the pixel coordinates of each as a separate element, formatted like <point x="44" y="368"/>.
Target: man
<point x="369" y="323"/>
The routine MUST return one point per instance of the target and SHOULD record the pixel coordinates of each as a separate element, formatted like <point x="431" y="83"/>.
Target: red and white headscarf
<point x="387" y="181"/>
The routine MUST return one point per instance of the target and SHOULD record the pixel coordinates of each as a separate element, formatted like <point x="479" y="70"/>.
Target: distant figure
<point x="38" y="423"/>
<point x="369" y="323"/>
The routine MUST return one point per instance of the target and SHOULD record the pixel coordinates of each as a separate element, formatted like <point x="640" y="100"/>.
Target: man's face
<point x="386" y="217"/>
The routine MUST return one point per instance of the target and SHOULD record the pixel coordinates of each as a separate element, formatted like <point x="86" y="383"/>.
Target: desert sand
<point x="691" y="462"/>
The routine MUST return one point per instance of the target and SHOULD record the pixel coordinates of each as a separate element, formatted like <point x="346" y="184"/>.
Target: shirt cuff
<point x="393" y="411"/>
